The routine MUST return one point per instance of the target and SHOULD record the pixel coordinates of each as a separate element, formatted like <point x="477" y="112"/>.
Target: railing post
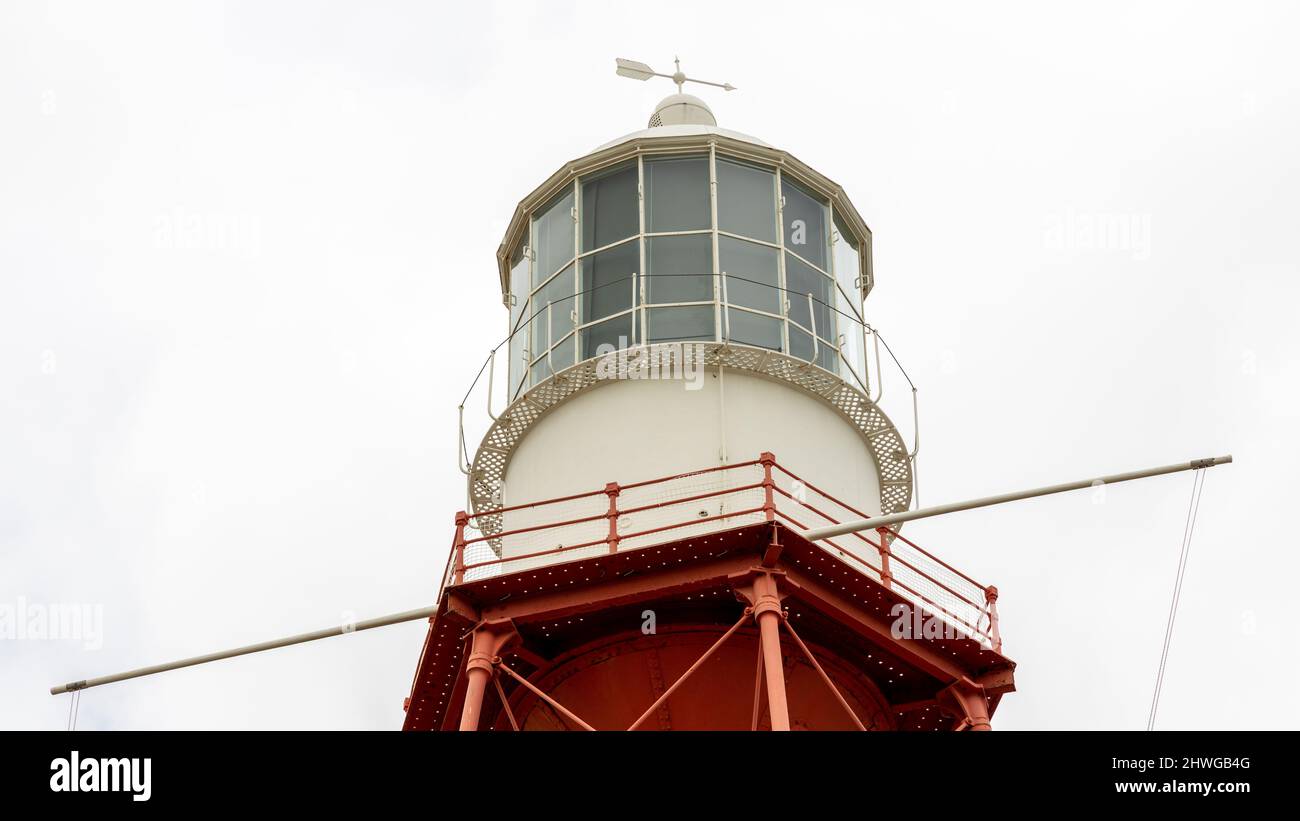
<point x="611" y="490"/>
<point x="769" y="498"/>
<point x="886" y="578"/>
<point x="462" y="519"/>
<point x="991" y="596"/>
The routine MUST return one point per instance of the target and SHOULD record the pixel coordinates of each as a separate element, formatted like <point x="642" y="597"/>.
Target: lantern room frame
<point x="841" y="349"/>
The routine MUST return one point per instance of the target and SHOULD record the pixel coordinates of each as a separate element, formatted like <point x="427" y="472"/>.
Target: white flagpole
<point x="328" y="632"/>
<point x="841" y="529"/>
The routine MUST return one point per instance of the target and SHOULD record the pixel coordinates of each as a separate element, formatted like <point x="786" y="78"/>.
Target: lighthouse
<point x="684" y="508"/>
<point x="687" y="391"/>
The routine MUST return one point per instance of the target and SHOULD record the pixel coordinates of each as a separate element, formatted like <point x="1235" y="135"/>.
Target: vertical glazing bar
<point x="550" y="340"/>
<point x="880" y="375"/>
<point x="812" y="321"/>
<point x="639" y="329"/>
<point x="782" y="293"/>
<point x="726" y="311"/>
<point x="634" y="315"/>
<point x="575" y="306"/>
<point x="713" y="211"/>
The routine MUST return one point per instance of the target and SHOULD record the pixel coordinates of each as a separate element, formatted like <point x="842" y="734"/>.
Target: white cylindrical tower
<point x="683" y="297"/>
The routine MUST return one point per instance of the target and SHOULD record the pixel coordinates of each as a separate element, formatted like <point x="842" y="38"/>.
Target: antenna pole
<point x="328" y="632"/>
<point x="818" y="533"/>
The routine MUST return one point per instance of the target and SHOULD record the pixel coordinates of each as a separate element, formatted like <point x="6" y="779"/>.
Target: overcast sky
<point x="247" y="269"/>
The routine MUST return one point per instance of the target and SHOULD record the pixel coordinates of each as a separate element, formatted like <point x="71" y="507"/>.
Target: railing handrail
<point x="613" y="491"/>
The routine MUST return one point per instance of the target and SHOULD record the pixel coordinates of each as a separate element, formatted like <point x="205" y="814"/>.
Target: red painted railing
<point x="632" y="516"/>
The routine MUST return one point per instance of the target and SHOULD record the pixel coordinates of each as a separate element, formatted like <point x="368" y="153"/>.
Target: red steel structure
<point x="692" y="602"/>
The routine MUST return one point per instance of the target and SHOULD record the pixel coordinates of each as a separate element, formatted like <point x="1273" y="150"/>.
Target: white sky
<point x="224" y="442"/>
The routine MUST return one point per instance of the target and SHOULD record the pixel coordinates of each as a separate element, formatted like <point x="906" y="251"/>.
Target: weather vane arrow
<point x="641" y="71"/>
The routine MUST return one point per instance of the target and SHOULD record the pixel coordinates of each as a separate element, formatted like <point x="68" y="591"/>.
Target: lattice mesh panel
<point x="809" y="508"/>
<point x="672" y="510"/>
<point x="951" y="596"/>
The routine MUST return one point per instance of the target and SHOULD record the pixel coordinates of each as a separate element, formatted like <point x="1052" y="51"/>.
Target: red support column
<point x="967" y="702"/>
<point x="767" y="612"/>
<point x="488" y="639"/>
<point x="886" y="578"/>
<point x="458" y="545"/>
<point x="611" y="490"/>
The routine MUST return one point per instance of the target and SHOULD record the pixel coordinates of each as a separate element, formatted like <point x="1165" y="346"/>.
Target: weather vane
<point x="641" y="71"/>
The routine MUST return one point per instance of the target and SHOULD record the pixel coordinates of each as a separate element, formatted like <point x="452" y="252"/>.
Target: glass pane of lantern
<point x="805" y="224"/>
<point x="559" y="292"/>
<point x="519" y="286"/>
<point x="553" y="236"/>
<point x="852" y="350"/>
<point x="847" y="265"/>
<point x="801" y="280"/>
<point x="746" y="200"/>
<point x="518" y="362"/>
<point x="680" y="324"/>
<point x="677" y="194"/>
<point x="801" y="344"/>
<point x="607" y="280"/>
<point x="753" y="275"/>
<point x="541" y="370"/>
<point x="562" y="355"/>
<point x="752" y="329"/>
<point x="827" y="357"/>
<point x="609" y="208"/>
<point x="615" y="333"/>
<point x="681" y="268"/>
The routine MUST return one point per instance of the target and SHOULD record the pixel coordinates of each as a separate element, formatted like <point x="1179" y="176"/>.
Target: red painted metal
<point x="767" y="459"/>
<point x="829" y="684"/>
<point x="682" y="678"/>
<point x="611" y="490"/>
<point x="886" y="577"/>
<point x="765" y="602"/>
<point x="485" y="642"/>
<point x="458" y="545"/>
<point x="505" y="703"/>
<point x="544" y="697"/>
<point x="557" y="642"/>
<point x="991" y="596"/>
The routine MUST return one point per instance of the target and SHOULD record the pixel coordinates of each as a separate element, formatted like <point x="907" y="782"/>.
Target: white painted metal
<point x="632" y="430"/>
<point x="682" y="109"/>
<point x="328" y="632"/>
